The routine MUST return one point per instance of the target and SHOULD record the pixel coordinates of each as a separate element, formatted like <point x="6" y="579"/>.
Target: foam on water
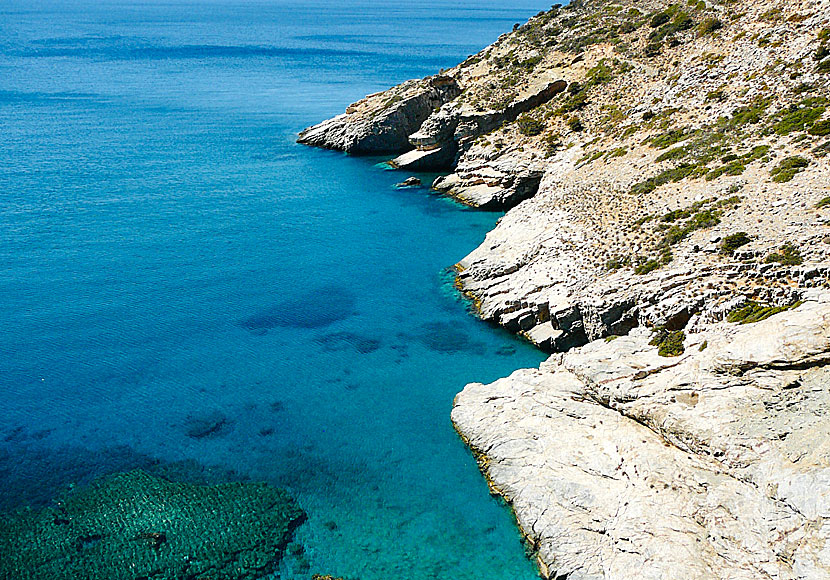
<point x="180" y="282"/>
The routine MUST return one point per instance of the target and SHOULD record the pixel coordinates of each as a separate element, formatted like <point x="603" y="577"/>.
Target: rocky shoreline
<point x="667" y="238"/>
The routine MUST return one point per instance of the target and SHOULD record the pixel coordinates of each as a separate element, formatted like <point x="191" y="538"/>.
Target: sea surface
<point x="182" y="287"/>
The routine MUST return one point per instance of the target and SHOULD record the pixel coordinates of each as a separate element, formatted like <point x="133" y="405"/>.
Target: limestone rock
<point x="409" y="182"/>
<point x="618" y="461"/>
<point x="382" y="123"/>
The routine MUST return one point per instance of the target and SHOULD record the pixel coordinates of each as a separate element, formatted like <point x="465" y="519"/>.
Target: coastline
<point x="666" y="238"/>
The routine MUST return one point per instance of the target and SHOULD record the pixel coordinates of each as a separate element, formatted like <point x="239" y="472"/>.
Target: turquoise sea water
<point x="181" y="282"/>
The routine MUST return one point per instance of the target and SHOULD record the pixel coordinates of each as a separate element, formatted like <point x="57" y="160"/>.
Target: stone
<point x="382" y="123"/>
<point x="430" y="160"/>
<point x="409" y="182"/>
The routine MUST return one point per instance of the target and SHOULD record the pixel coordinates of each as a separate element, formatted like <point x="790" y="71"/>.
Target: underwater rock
<point x="154" y="528"/>
<point x="446" y="338"/>
<point x="210" y="425"/>
<point x="319" y="308"/>
<point x="339" y="341"/>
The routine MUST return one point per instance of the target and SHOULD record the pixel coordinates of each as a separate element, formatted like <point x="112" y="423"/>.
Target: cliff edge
<point x="666" y="174"/>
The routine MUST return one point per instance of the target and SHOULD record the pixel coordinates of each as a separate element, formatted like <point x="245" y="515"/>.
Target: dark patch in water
<point x="211" y="425"/>
<point x="34" y="474"/>
<point x="340" y="341"/>
<point x="277" y="406"/>
<point x="506" y="351"/>
<point x="445" y="337"/>
<point x="317" y="309"/>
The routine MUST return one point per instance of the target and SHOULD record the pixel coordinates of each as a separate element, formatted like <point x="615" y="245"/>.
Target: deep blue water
<point x="181" y="282"/>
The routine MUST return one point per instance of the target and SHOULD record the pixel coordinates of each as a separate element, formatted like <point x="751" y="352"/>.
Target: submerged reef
<point x="136" y="525"/>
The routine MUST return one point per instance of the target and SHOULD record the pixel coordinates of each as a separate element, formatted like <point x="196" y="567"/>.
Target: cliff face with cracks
<point x="669" y="241"/>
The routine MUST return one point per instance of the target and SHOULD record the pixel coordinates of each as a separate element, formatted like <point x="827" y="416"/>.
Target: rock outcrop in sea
<point x="666" y="174"/>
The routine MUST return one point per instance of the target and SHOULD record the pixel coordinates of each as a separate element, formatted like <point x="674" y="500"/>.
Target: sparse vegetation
<point x="820" y="128"/>
<point x="799" y="116"/>
<point x="708" y="26"/>
<point x="668" y="343"/>
<point x="529" y="126"/>
<point x="734" y="241"/>
<point x="755" y="312"/>
<point x="788" y="168"/>
<point x="788" y="255"/>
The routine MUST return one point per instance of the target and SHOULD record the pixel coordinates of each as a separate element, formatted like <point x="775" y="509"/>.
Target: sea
<point x="184" y="288"/>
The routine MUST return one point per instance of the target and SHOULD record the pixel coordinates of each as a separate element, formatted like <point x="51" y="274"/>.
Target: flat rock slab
<point x="620" y="463"/>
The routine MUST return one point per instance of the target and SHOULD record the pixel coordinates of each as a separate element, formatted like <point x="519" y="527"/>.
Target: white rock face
<point x="620" y="463"/>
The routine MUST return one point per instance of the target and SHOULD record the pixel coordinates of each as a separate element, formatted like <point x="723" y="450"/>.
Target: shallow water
<point x="180" y="281"/>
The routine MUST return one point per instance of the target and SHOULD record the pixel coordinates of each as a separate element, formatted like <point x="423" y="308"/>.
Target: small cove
<point x="183" y="283"/>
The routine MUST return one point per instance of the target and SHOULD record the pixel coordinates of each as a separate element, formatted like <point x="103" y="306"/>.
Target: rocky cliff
<point x="668" y="240"/>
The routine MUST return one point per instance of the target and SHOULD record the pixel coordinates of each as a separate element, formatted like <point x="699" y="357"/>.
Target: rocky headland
<point x="666" y="174"/>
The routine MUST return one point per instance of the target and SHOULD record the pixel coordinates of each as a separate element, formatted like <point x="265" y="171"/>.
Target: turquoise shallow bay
<point x="180" y="281"/>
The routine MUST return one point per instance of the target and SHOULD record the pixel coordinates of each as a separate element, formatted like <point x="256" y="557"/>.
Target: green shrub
<point x="754" y="312"/>
<point x="787" y="168"/>
<point x="618" y="262"/>
<point x="703" y="219"/>
<point x="669" y="176"/>
<point x="653" y="49"/>
<point x="735" y="167"/>
<point x="734" y="241"/>
<point x="749" y="115"/>
<point x="788" y="255"/>
<point x="718" y="95"/>
<point x="574" y="124"/>
<point x="627" y="27"/>
<point x="669" y="138"/>
<point x="820" y="128"/>
<point x="647" y="267"/>
<point x="823" y="203"/>
<point x="669" y="343"/>
<point x="673" y="154"/>
<point x="530" y="63"/>
<point x="708" y="26"/>
<point x="660" y="19"/>
<point x="552" y="141"/>
<point x="601" y="73"/>
<point x="529" y="126"/>
<point x="797" y="118"/>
